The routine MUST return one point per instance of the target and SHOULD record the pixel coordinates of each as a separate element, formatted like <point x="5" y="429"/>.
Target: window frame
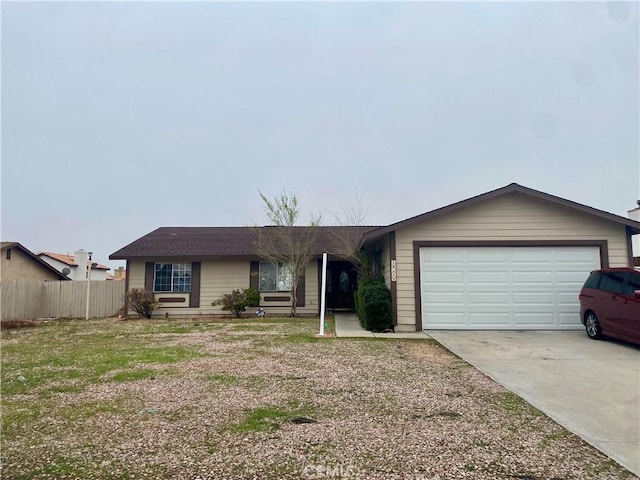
<point x="180" y="279"/>
<point x="281" y="271"/>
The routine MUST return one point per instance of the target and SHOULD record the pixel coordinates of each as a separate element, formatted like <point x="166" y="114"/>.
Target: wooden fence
<point x="29" y="300"/>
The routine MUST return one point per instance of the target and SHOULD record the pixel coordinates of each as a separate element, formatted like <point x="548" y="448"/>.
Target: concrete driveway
<point x="592" y="388"/>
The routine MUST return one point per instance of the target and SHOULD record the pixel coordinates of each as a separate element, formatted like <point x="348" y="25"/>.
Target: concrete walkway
<point x="348" y="325"/>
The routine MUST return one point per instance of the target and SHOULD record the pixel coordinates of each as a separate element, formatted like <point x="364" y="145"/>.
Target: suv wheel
<point x="592" y="326"/>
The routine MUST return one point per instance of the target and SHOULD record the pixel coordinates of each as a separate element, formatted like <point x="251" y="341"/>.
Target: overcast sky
<point x="118" y="118"/>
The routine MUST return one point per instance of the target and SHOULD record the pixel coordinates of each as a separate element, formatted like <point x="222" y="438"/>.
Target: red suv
<point x="610" y="304"/>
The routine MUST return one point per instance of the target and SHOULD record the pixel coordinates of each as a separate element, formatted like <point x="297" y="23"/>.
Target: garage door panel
<point x="449" y="320"/>
<point x="532" y="257"/>
<point x="440" y="277"/>
<point x="486" y="255"/>
<point x="487" y="297"/>
<point x="494" y="319"/>
<point x="448" y="256"/>
<point x="446" y="298"/>
<point x="579" y="255"/>
<point x="504" y="287"/>
<point x="533" y="298"/>
<point x="533" y="276"/>
<point x="572" y="277"/>
<point x="534" y="319"/>
<point x="567" y="298"/>
<point x="567" y="319"/>
<point x="488" y="277"/>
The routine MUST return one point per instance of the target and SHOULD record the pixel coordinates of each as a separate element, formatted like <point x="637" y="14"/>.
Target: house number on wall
<point x="393" y="270"/>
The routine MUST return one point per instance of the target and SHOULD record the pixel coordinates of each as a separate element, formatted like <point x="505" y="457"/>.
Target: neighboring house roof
<point x="34" y="257"/>
<point x="69" y="260"/>
<point x="509" y="189"/>
<point x="196" y="242"/>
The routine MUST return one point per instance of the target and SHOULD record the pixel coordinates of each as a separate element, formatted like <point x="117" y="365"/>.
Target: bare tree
<point x="346" y="240"/>
<point x="284" y="244"/>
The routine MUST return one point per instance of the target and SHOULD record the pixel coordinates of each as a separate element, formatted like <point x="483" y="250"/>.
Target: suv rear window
<point x="634" y="284"/>
<point x="593" y="280"/>
<point x="613" y="282"/>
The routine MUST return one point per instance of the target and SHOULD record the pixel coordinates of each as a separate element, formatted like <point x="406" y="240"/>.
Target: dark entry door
<point x="342" y="281"/>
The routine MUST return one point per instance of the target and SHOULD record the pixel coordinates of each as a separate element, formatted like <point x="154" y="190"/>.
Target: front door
<point x="342" y="281"/>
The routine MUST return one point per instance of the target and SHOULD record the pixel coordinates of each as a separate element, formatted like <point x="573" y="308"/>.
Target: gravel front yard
<point x="212" y="399"/>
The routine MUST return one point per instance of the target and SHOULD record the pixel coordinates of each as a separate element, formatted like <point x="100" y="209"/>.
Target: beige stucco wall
<point x="510" y="217"/>
<point x="23" y="267"/>
<point x="222" y="276"/>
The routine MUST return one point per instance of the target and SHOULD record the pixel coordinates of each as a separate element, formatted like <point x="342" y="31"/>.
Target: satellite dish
<point x="66" y="271"/>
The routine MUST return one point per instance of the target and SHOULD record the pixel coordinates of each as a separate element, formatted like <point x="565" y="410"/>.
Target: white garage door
<point x="504" y="288"/>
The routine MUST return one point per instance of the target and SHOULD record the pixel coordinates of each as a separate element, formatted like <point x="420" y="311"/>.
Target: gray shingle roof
<point x="196" y="242"/>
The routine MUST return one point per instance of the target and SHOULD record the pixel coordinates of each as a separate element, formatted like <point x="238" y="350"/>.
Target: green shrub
<point x="141" y="302"/>
<point x="238" y="300"/>
<point x="373" y="306"/>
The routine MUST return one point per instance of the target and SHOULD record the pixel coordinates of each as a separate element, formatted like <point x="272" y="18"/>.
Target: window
<point x="8" y="253"/>
<point x="593" y="280"/>
<point x="275" y="277"/>
<point x="634" y="284"/>
<point x="172" y="277"/>
<point x="613" y="283"/>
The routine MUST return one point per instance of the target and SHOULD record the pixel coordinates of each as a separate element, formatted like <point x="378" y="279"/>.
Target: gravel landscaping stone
<point x="265" y="399"/>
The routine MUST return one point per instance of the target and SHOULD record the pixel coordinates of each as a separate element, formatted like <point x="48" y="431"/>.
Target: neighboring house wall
<point x="22" y="267"/>
<point x="509" y="217"/>
<point x="58" y="265"/>
<point x="98" y="274"/>
<point x="218" y="277"/>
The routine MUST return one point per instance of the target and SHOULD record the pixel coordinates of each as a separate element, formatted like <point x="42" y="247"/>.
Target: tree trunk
<point x="294" y="297"/>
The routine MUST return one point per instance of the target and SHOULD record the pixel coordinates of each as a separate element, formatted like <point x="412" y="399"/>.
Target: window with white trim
<point x="275" y="277"/>
<point x="172" y="277"/>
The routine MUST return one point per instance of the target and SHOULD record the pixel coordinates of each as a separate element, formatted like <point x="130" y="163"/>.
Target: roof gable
<point x="509" y="189"/>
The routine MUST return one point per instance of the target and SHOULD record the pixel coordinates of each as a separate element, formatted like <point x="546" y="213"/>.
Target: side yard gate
<point x="29" y="300"/>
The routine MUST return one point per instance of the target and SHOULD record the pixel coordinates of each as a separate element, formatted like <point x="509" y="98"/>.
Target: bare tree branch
<point x="346" y="241"/>
<point x="285" y="244"/>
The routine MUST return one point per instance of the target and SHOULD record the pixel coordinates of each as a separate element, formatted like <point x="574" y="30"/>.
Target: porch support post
<point x="323" y="292"/>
